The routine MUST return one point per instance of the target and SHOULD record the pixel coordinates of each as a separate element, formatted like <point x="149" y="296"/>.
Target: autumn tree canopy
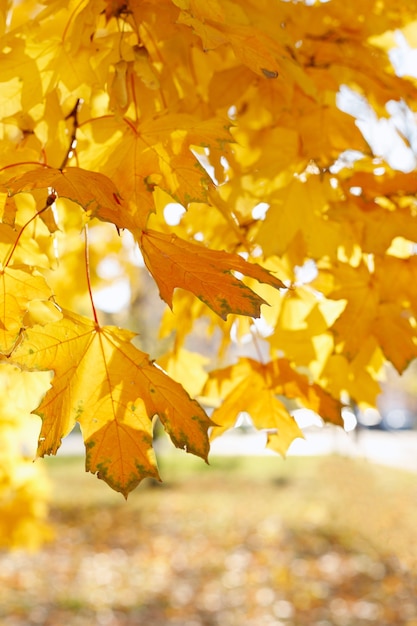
<point x="262" y="121"/>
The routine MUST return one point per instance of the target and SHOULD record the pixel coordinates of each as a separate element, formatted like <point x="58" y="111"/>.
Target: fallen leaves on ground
<point x="283" y="551"/>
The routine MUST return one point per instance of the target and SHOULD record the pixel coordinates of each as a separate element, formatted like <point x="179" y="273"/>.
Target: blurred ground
<point x="247" y="541"/>
<point x="396" y="449"/>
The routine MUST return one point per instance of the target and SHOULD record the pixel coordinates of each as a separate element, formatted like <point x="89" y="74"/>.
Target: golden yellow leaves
<point x="157" y="153"/>
<point x="113" y="391"/>
<point x="220" y="24"/>
<point x="234" y="111"/>
<point x="255" y="388"/>
<point x="299" y="208"/>
<point x="172" y="262"/>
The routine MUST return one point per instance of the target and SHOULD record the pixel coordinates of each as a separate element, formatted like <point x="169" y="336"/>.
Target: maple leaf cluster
<point x="110" y="112"/>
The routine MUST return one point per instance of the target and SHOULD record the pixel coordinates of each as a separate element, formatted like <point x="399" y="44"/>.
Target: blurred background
<point x="326" y="537"/>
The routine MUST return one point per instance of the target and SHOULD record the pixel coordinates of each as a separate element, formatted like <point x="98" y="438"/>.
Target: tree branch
<point x="73" y="139"/>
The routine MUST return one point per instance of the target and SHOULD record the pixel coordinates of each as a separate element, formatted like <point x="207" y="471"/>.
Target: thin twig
<point x="73" y="139"/>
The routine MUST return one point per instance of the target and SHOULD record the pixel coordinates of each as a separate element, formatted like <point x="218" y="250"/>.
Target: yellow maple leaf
<point x="253" y="387"/>
<point x="267" y="412"/>
<point x="354" y="377"/>
<point x="395" y="335"/>
<point x="375" y="307"/>
<point x="354" y="324"/>
<point x="291" y="384"/>
<point x="112" y="389"/>
<point x="297" y="208"/>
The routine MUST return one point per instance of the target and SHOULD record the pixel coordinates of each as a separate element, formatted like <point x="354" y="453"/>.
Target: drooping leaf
<point x="96" y="193"/>
<point x="254" y="388"/>
<point x="343" y="376"/>
<point x="113" y="391"/>
<point x="207" y="273"/>
<point x="266" y="410"/>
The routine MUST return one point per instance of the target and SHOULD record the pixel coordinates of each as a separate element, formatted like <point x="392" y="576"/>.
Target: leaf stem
<point x="87" y="270"/>
<point x="73" y="139"/>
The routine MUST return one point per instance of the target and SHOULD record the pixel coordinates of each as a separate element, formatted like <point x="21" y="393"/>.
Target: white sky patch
<point x="232" y="112"/>
<point x="385" y="141"/>
<point x="403" y="58"/>
<point x="379" y="171"/>
<point x="204" y="159"/>
<point x="306" y="273"/>
<point x="133" y="251"/>
<point x="262" y="327"/>
<point x="239" y="339"/>
<point x="243" y="420"/>
<point x="382" y="133"/>
<point x="259" y="211"/>
<point x="205" y="163"/>
<point x="306" y="418"/>
<point x="345" y="159"/>
<point x="349" y="419"/>
<point x="173" y="213"/>
<point x="404" y="121"/>
<point x="109" y="268"/>
<point x="257" y="252"/>
<point x="114" y="298"/>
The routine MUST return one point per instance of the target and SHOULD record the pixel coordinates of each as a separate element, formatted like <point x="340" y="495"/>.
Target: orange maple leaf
<point x="207" y="273"/>
<point x="113" y="391"/>
<point x="96" y="193"/>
